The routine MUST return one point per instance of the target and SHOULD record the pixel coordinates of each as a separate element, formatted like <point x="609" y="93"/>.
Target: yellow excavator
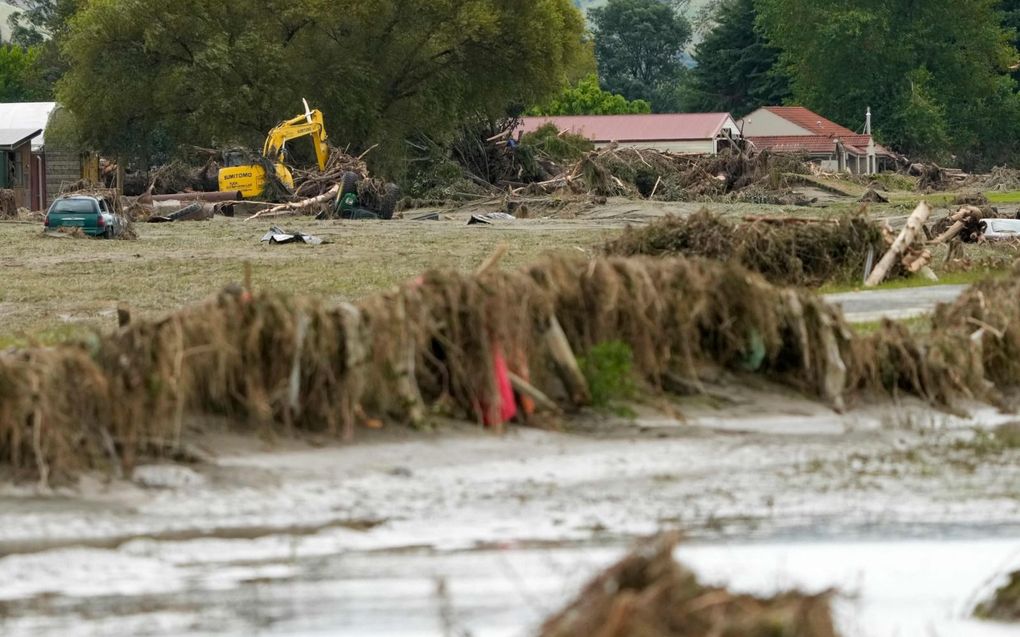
<point x="239" y="174"/>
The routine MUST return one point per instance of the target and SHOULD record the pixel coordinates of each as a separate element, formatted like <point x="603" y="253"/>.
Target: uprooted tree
<point x="149" y="75"/>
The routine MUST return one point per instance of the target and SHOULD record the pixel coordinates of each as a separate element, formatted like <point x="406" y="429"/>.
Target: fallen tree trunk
<point x="902" y="242"/>
<point x="297" y="206"/>
<point x="566" y="364"/>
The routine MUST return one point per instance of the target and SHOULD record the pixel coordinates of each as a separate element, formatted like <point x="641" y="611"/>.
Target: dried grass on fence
<point x="298" y="364"/>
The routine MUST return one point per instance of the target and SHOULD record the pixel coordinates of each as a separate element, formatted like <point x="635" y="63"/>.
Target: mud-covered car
<point x="93" y="215"/>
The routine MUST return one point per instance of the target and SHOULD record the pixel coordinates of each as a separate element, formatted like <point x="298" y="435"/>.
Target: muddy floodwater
<point x="910" y="514"/>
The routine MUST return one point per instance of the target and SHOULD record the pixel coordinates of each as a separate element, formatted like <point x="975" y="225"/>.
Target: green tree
<point x="19" y="79"/>
<point x="737" y="69"/>
<point x="43" y="25"/>
<point x="588" y="98"/>
<point x="935" y="73"/>
<point x="1011" y="22"/>
<point x="639" y="46"/>
<point x="149" y="75"/>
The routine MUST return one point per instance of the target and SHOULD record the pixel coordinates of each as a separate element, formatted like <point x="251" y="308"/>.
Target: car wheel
<point x="349" y="182"/>
<point x="108" y="233"/>
<point x="388" y="205"/>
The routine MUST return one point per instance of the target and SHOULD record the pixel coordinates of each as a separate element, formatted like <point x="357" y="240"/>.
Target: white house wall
<point x="694" y="147"/>
<point x="763" y="123"/>
<point x="732" y="127"/>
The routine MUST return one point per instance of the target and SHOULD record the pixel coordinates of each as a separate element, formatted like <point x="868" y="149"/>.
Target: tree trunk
<point x="907" y="237"/>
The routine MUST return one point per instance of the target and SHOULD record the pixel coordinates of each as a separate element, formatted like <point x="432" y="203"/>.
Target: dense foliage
<point x="42" y="26"/>
<point x="588" y="98"/>
<point x="639" y="45"/>
<point x="736" y="68"/>
<point x="935" y="73"/>
<point x="19" y="78"/>
<point x="149" y="75"/>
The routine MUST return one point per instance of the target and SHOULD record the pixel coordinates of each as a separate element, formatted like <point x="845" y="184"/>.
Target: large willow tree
<point x="149" y="75"/>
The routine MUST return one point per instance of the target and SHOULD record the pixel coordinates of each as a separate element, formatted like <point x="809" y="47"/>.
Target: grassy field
<point x="54" y="289"/>
<point x="57" y="288"/>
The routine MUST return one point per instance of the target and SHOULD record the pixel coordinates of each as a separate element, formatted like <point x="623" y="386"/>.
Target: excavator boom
<point x="250" y="180"/>
<point x="312" y="124"/>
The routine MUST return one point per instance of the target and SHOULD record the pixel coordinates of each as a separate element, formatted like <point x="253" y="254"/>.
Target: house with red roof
<point x="795" y="129"/>
<point x="686" y="133"/>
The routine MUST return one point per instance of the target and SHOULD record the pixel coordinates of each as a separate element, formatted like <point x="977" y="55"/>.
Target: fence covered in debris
<point x="487" y="346"/>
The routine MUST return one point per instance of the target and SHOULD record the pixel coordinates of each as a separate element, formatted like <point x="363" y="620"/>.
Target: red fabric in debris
<point x="496" y="415"/>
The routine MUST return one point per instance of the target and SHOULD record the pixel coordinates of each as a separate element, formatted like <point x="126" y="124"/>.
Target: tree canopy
<point x="588" y="98"/>
<point x="149" y="75"/>
<point x="639" y="46"/>
<point x="935" y="73"/>
<point x="737" y="69"/>
<point x="42" y="26"/>
<point x="19" y="79"/>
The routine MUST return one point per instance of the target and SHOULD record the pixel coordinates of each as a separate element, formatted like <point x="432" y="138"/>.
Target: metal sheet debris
<point x="277" y="235"/>
<point x="491" y="218"/>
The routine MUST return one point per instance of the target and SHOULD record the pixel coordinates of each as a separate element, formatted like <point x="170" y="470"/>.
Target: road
<point x="904" y="303"/>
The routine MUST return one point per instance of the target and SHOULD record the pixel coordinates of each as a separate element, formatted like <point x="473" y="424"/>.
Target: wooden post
<point x="566" y="364"/>
<point x="903" y="241"/>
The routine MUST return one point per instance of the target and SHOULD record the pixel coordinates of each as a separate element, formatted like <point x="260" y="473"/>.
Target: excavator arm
<point x="250" y="180"/>
<point x="310" y="124"/>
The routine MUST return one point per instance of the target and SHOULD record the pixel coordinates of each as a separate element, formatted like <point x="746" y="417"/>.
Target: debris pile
<point x="649" y="593"/>
<point x="873" y="196"/>
<point x="447" y="341"/>
<point x="344" y="190"/>
<point x="8" y="204"/>
<point x="971" y="199"/>
<point x="785" y="250"/>
<point x="652" y="174"/>
<point x="489" y="347"/>
<point x="1002" y="179"/>
<point x="932" y="177"/>
<point x="339" y="167"/>
<point x="964" y="224"/>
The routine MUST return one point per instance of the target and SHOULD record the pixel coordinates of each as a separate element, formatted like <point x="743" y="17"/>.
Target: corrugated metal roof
<point x="14" y="137"/>
<point x="636" y="128"/>
<point x="27" y="115"/>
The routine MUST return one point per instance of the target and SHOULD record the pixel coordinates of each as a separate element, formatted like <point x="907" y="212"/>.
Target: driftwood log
<point x="566" y="364"/>
<point x="906" y="238"/>
<point x="297" y="206"/>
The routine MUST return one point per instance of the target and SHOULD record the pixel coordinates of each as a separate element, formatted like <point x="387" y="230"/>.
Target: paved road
<point x="863" y="307"/>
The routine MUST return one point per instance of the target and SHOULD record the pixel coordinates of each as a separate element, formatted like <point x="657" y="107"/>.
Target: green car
<point x="92" y="214"/>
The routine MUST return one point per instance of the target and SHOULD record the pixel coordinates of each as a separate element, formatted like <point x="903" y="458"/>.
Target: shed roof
<point x="11" y="138"/>
<point x="27" y="115"/>
<point x="637" y="128"/>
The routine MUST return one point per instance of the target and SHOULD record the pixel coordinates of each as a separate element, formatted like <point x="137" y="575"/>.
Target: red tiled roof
<point x="636" y="128"/>
<point x="855" y="144"/>
<point x="811" y="121"/>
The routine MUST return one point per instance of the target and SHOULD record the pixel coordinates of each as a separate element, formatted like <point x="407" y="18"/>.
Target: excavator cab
<point x="240" y="174"/>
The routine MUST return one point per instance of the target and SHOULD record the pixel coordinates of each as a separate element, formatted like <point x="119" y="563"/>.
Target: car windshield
<point x="74" y="206"/>
<point x="1006" y="226"/>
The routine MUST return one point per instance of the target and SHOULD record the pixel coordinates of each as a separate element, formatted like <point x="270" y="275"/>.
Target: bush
<point x="609" y="370"/>
<point x="559" y="147"/>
